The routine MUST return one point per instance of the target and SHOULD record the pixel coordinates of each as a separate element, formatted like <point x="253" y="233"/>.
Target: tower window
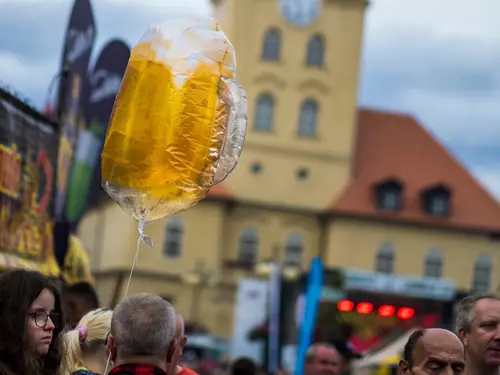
<point x="308" y="118"/>
<point x="316" y="51"/>
<point x="302" y="173"/>
<point x="384" y="261"/>
<point x="248" y="247"/>
<point x="264" y="113"/>
<point x="256" y="168"/>
<point x="389" y="195"/>
<point x="482" y="274"/>
<point x="436" y="201"/>
<point x="294" y="249"/>
<point x="272" y="45"/>
<point x="433" y="266"/>
<point x="173" y="242"/>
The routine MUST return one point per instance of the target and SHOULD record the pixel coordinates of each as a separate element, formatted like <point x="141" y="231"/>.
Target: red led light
<point x="386" y="310"/>
<point x="345" y="305"/>
<point x="406" y="313"/>
<point x="364" y="308"/>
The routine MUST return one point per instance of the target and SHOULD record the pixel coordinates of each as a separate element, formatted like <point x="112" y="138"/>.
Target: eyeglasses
<point x="41" y="318"/>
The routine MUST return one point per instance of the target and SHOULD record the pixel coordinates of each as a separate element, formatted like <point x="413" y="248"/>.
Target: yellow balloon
<point x="170" y="119"/>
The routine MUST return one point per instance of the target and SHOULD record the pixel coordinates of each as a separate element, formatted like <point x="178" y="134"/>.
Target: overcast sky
<point x="437" y="59"/>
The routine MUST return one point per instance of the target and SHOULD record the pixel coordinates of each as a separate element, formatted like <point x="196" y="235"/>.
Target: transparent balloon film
<point x="179" y="120"/>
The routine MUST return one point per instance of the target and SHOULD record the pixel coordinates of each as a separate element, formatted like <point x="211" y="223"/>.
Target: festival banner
<point x="77" y="50"/>
<point x="28" y="162"/>
<point x="103" y="85"/>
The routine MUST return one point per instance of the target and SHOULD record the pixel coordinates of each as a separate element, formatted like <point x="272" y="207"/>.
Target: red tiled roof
<point x="218" y="191"/>
<point x="396" y="146"/>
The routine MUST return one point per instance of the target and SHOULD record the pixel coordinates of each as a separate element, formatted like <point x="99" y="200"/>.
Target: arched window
<point x="385" y="259"/>
<point x="173" y="241"/>
<point x="294" y="249"/>
<point x="264" y="113"/>
<point x="316" y="51"/>
<point x="272" y="45"/>
<point x="433" y="266"/>
<point x="482" y="274"/>
<point x="249" y="243"/>
<point x="308" y="117"/>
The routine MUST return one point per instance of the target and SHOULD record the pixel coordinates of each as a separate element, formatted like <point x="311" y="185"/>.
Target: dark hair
<point x="87" y="292"/>
<point x="18" y="289"/>
<point x="243" y="366"/>
<point x="410" y="346"/>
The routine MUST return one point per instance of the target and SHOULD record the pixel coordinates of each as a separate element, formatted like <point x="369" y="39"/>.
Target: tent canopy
<point x="388" y="355"/>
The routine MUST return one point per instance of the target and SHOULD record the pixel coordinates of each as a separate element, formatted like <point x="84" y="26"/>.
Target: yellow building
<point x="364" y="189"/>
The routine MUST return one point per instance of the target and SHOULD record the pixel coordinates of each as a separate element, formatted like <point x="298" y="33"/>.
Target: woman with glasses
<point x="87" y="351"/>
<point x="31" y="320"/>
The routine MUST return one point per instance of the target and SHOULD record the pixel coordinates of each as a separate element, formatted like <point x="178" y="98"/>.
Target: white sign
<point x="250" y="312"/>
<point x="422" y="287"/>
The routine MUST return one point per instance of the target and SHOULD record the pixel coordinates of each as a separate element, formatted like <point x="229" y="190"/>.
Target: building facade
<point x="369" y="191"/>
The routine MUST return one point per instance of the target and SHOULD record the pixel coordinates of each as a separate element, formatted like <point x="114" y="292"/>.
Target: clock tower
<point x="299" y="62"/>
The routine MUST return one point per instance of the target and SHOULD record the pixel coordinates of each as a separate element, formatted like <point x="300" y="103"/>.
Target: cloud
<point x="491" y="178"/>
<point x="439" y="62"/>
<point x="30" y="55"/>
<point x="26" y="76"/>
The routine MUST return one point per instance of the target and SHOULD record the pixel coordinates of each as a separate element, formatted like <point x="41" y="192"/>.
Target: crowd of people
<point x="144" y="335"/>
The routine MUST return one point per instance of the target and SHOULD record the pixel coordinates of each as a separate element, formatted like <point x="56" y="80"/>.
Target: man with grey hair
<point x="323" y="359"/>
<point x="478" y="326"/>
<point x="142" y="339"/>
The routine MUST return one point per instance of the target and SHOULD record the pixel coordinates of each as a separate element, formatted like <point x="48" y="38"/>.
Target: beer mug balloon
<point x="178" y="122"/>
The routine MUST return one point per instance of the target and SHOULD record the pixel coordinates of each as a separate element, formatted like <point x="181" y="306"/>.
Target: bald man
<point x="434" y="350"/>
<point x="181" y="338"/>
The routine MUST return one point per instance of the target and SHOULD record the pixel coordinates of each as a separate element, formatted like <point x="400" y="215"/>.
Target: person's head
<point x="347" y="354"/>
<point x="88" y="339"/>
<point x="180" y="337"/>
<point x="433" y="351"/>
<point x="323" y="359"/>
<point x="243" y="366"/>
<point x="143" y="331"/>
<point x="80" y="298"/>
<point x="478" y="326"/>
<point x="31" y="321"/>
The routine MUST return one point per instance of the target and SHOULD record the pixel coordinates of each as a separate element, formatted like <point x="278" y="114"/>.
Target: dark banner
<point x="103" y="85"/>
<point x="28" y="163"/>
<point x="78" y="45"/>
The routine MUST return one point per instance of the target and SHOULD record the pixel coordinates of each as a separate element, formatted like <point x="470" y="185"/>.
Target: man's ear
<point x="112" y="348"/>
<point x="462" y="335"/>
<point x="183" y="341"/>
<point x="171" y="350"/>
<point x="403" y="367"/>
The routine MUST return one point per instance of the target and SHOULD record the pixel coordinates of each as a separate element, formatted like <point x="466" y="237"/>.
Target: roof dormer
<point x="436" y="200"/>
<point x="389" y="195"/>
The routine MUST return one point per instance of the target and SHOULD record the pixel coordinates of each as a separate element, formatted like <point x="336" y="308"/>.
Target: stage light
<point x="386" y="310"/>
<point x="405" y="313"/>
<point x="364" y="308"/>
<point x="345" y="305"/>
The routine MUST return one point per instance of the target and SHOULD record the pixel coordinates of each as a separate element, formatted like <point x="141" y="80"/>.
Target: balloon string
<point x="136" y="256"/>
<point x="142" y="238"/>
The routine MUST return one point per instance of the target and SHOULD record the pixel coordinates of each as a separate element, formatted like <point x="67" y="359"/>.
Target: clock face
<point x="300" y="12"/>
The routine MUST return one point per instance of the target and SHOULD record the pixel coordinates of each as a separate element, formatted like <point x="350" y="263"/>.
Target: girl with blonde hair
<point x="87" y="353"/>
